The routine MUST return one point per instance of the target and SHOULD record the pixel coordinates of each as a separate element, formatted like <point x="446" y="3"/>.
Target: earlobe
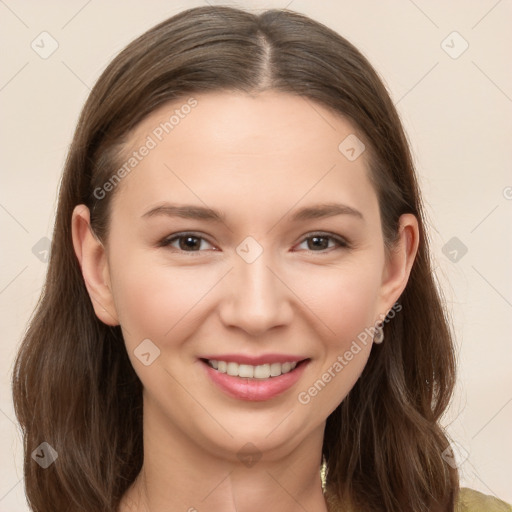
<point x="92" y="259"/>
<point x="399" y="262"/>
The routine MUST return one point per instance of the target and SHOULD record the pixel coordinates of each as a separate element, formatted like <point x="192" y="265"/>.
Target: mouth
<point x="249" y="371"/>
<point x="254" y="382"/>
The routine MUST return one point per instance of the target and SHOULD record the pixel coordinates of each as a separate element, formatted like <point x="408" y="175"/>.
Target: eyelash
<point x="341" y="242"/>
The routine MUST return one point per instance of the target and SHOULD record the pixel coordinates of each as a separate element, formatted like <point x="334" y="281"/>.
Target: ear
<point x="399" y="263"/>
<point x="93" y="261"/>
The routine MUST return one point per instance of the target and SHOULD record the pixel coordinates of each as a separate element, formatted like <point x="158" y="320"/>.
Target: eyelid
<point x="341" y="242"/>
<point x="166" y="241"/>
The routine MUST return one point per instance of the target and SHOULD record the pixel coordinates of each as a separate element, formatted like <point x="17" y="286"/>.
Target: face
<point x="244" y="240"/>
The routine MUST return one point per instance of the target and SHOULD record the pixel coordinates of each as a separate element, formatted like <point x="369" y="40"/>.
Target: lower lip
<point x="255" y="389"/>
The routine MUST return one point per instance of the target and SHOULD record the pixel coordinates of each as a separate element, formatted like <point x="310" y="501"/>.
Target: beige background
<point x="457" y="112"/>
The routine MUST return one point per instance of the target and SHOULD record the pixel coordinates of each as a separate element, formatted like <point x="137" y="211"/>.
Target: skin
<point x="258" y="159"/>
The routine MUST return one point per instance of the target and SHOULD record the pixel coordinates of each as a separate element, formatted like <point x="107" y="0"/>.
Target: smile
<point x="261" y="371"/>
<point x="254" y="382"/>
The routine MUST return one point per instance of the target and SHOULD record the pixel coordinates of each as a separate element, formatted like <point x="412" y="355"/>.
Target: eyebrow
<point x="325" y="210"/>
<point x="204" y="213"/>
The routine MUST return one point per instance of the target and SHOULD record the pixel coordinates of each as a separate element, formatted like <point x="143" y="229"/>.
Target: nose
<point x="255" y="298"/>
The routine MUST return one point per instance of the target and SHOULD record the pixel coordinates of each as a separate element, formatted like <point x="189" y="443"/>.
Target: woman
<point x="239" y="291"/>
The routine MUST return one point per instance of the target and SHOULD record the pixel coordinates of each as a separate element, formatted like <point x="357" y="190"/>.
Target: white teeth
<point x="262" y="371"/>
<point x="246" y="370"/>
<point x="275" y="369"/>
<point x="232" y="369"/>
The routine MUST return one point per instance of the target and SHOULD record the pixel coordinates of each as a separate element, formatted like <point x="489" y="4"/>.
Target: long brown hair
<point x="73" y="384"/>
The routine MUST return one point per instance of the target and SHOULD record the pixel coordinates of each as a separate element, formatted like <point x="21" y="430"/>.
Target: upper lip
<point x="255" y="360"/>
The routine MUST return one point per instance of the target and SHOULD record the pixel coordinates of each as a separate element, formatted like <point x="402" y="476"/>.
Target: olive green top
<point x="474" y="501"/>
<point x="469" y="501"/>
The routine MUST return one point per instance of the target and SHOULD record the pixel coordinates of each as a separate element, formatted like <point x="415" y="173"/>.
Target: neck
<point x="179" y="474"/>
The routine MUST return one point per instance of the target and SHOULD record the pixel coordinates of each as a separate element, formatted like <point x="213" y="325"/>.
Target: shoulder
<point x="474" y="501"/>
<point x="469" y="500"/>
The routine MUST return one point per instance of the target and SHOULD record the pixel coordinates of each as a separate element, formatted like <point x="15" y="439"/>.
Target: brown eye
<point x="186" y="242"/>
<point x="320" y="242"/>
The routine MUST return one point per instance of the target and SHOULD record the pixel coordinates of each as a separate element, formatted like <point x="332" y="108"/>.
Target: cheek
<point x="157" y="301"/>
<point x="343" y="299"/>
<point x="345" y="303"/>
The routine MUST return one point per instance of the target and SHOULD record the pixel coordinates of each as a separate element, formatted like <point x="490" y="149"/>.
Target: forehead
<point x="273" y="148"/>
